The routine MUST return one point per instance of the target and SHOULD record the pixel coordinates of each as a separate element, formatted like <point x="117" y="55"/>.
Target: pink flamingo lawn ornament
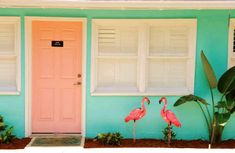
<point x="169" y="117"/>
<point x="137" y="114"/>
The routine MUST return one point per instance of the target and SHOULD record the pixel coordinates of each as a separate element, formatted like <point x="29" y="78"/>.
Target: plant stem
<point x="207" y="122"/>
<point x="213" y="102"/>
<point x="214" y="119"/>
<point x="209" y="115"/>
<point x="213" y="131"/>
<point x="222" y="97"/>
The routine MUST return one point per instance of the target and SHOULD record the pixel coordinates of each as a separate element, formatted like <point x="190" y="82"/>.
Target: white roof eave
<point x="112" y="4"/>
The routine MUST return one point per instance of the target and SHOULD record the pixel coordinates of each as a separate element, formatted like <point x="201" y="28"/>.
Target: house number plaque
<point x="55" y="43"/>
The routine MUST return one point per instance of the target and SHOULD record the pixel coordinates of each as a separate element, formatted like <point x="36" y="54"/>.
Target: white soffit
<point x="120" y="4"/>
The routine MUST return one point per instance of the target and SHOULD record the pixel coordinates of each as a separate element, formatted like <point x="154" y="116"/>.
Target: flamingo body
<point x="168" y="116"/>
<point x="137" y="113"/>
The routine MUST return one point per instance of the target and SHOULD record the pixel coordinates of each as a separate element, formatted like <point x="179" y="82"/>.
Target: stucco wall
<point x="106" y="114"/>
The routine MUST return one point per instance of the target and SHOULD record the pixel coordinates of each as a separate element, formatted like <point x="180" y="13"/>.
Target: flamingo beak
<point x="148" y="101"/>
<point x="160" y="101"/>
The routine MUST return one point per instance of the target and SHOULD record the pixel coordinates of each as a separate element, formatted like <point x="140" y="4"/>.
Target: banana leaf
<point x="230" y="96"/>
<point x="190" y="98"/>
<point x="232" y="110"/>
<point x="229" y="105"/>
<point x="210" y="75"/>
<point x="222" y="118"/>
<point x="221" y="104"/>
<point x="227" y="81"/>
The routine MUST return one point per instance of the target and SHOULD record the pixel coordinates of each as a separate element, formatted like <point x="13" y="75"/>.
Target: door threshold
<point x="54" y="134"/>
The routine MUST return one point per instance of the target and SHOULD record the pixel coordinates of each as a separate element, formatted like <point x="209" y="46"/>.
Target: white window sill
<point x="9" y="93"/>
<point x="149" y="92"/>
<point x="9" y="90"/>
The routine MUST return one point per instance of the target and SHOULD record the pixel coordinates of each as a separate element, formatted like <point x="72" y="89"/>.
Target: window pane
<point x="167" y="73"/>
<point x="117" y="73"/>
<point x="117" y="40"/>
<point x="168" y="41"/>
<point x="127" y="73"/>
<point x="8" y="75"/>
<point x="106" y="73"/>
<point x="7" y="39"/>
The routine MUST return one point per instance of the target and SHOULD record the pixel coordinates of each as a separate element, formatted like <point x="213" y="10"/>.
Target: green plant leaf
<point x="109" y="138"/>
<point x="210" y="75"/>
<point x="222" y="118"/>
<point x="226" y="104"/>
<point x="221" y="104"/>
<point x="230" y="96"/>
<point x="230" y="105"/>
<point x="1" y="118"/>
<point x="190" y="98"/>
<point x="227" y="81"/>
<point x="232" y="110"/>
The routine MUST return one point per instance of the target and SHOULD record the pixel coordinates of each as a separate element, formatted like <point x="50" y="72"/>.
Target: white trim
<point x="28" y="68"/>
<point x="18" y="47"/>
<point x="122" y="4"/>
<point x="15" y="20"/>
<point x="230" y="42"/>
<point x="7" y="19"/>
<point x="84" y="80"/>
<point x="93" y="55"/>
<point x="10" y="93"/>
<point x="159" y="93"/>
<point x="143" y="25"/>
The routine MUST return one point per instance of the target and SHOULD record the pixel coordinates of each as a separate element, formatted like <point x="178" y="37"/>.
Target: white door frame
<point x="28" y="69"/>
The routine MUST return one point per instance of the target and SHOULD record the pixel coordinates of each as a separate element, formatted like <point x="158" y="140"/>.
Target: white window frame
<point x="16" y="22"/>
<point x="143" y="56"/>
<point x="231" y="54"/>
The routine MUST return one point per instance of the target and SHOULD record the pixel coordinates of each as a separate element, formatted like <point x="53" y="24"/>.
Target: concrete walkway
<point x="116" y="150"/>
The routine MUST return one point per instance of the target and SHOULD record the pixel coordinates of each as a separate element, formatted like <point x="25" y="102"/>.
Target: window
<point x="9" y="55"/>
<point x="231" y="50"/>
<point x="143" y="57"/>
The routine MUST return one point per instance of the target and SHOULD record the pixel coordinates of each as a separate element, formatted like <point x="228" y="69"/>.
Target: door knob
<point x="77" y="83"/>
<point x="79" y="75"/>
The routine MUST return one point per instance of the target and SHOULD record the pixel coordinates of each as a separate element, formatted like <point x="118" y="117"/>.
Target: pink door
<point x="56" y="76"/>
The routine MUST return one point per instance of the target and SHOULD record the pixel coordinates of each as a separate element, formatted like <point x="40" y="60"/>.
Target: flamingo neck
<point x="142" y="104"/>
<point x="165" y="104"/>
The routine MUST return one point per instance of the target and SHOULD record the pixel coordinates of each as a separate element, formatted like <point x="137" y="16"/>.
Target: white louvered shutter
<point x="168" y="52"/>
<point x="117" y="58"/>
<point x="120" y="41"/>
<point x="7" y="39"/>
<point x="8" y="56"/>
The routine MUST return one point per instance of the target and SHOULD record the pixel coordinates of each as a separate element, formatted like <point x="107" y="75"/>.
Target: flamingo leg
<point x="134" y="132"/>
<point x="169" y="135"/>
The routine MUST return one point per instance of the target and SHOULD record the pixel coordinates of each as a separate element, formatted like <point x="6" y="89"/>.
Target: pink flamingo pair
<point x="168" y="116"/>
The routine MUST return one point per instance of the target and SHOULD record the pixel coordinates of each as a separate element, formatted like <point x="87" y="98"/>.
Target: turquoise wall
<point x="106" y="114"/>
